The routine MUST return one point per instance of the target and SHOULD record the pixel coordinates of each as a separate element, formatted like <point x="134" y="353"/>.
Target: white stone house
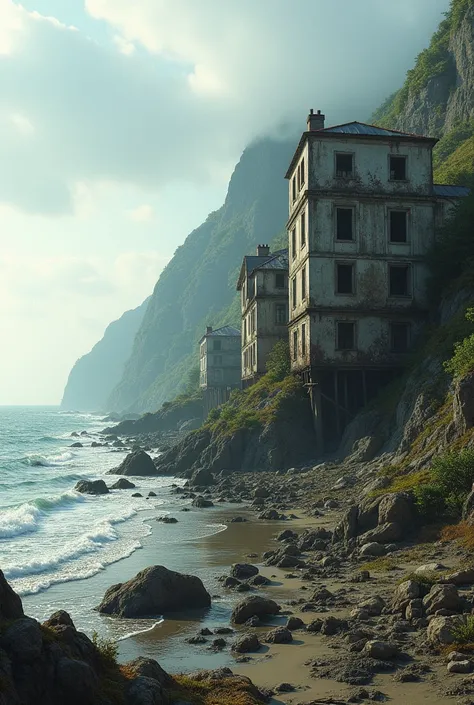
<point x="263" y="286"/>
<point x="220" y="371"/>
<point x="362" y="214"/>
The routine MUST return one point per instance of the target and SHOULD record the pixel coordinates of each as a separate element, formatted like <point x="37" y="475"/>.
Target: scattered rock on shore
<point x="91" y="487"/>
<point x="254" y="606"/>
<point x="122" y="484"/>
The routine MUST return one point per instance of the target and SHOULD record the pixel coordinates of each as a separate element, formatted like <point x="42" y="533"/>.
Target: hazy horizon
<point x="121" y="126"/>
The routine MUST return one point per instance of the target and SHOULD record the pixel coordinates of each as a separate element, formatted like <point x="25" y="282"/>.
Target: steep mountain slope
<point x="198" y="285"/>
<point x="438" y="95"/>
<point x="95" y="375"/>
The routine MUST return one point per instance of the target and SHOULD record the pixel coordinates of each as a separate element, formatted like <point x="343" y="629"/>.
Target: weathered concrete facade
<point x="263" y="284"/>
<point x="220" y="371"/>
<point x="363" y="211"/>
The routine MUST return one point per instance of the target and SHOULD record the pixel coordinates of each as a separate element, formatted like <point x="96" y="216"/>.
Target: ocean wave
<point x="22" y="520"/>
<point x="46" y="461"/>
<point x="89" y="542"/>
<point x="137" y="632"/>
<point x="41" y="481"/>
<point x="26" y="518"/>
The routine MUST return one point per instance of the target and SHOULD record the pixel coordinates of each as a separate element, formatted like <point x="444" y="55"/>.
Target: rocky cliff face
<point x="199" y="282"/>
<point x="426" y="412"/>
<point x="437" y="98"/>
<point x="94" y="375"/>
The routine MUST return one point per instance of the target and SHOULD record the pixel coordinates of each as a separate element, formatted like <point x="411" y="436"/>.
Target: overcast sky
<point x="120" y="122"/>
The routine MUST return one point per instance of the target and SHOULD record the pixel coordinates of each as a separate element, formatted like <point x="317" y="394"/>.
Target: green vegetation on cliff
<point x="260" y="404"/>
<point x="437" y="96"/>
<point x="433" y="61"/>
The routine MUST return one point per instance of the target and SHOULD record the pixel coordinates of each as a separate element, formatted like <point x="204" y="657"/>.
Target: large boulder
<point x="385" y="533"/>
<point x="246" y="643"/>
<point x="155" y="591"/>
<point x="202" y="502"/>
<point x="10" y="602"/>
<point x="398" y="508"/>
<point x="137" y="463"/>
<point x="123" y="484"/>
<point x="242" y="571"/>
<point x="254" y="606"/>
<point x="442" y="630"/>
<point x="202" y="478"/>
<point x="146" y="691"/>
<point x="404" y="593"/>
<point x="442" y="597"/>
<point x="91" y="487"/>
<point x="149" y="668"/>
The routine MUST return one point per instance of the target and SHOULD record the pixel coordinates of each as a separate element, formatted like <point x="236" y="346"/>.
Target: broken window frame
<point x="279" y="280"/>
<point x="293" y="243"/>
<point x="346" y="348"/>
<point x="303" y="283"/>
<point x="407" y="327"/>
<point x="336" y="276"/>
<point x="390" y="237"/>
<point x="336" y="223"/>
<point x="303" y="339"/>
<point x="295" y="344"/>
<point x="344" y="173"/>
<point x="293" y="292"/>
<point x="407" y="268"/>
<point x="281" y="316"/>
<point x="303" y="230"/>
<point x="392" y="172"/>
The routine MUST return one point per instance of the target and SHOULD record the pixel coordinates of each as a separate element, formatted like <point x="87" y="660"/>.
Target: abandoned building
<point x="362" y="215"/>
<point x="219" y="353"/>
<point x="263" y="283"/>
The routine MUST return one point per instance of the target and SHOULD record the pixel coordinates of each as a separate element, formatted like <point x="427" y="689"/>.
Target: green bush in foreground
<point x="430" y="501"/>
<point x="464" y="633"/>
<point x="452" y="477"/>
<point x="462" y="361"/>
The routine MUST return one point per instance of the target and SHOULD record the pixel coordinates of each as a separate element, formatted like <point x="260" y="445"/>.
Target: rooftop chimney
<point x="263" y="250"/>
<point x="208" y="330"/>
<point x="315" y="121"/>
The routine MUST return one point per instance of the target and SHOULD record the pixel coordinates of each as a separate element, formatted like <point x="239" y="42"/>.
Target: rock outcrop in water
<point x="55" y="664"/>
<point x="137" y="463"/>
<point x="154" y="592"/>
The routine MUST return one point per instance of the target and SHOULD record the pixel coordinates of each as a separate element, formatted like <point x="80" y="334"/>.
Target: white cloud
<point x="207" y="77"/>
<point x="142" y="214"/>
<point x="22" y="124"/>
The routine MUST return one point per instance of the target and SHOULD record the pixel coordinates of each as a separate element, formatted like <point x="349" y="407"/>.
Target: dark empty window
<point x="399" y="280"/>
<point x="344" y="165"/>
<point x="345" y="335"/>
<point x="303" y="283"/>
<point x="217" y="359"/>
<point x="217" y="345"/>
<point x="293" y="187"/>
<point x="280" y="314"/>
<point x="293" y="292"/>
<point x="398" y="168"/>
<point x="303" y="339"/>
<point x="345" y="279"/>
<point x="295" y="344"/>
<point x="399" y="337"/>
<point x="303" y="230"/>
<point x="279" y="280"/>
<point x="302" y="171"/>
<point x="398" y="226"/>
<point x="293" y="243"/>
<point x="344" y="224"/>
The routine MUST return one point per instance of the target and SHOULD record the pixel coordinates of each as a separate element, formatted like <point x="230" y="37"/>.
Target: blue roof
<point x="224" y="330"/>
<point x="361" y="128"/>
<point x="448" y="191"/>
